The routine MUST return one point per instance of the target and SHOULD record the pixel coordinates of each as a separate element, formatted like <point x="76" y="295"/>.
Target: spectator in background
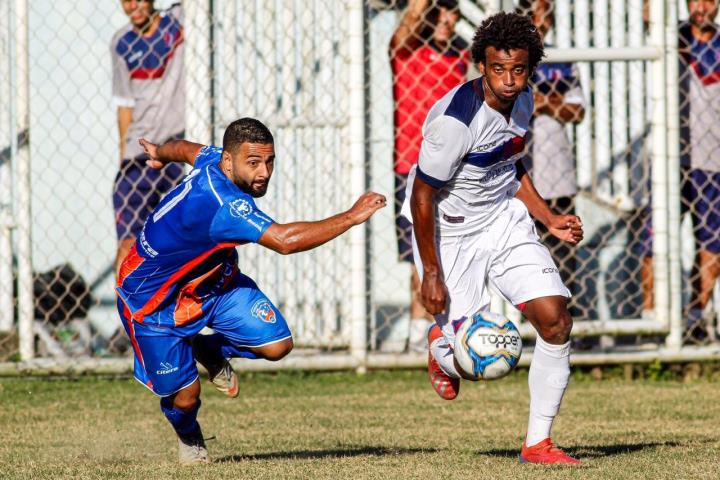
<point x="551" y="162"/>
<point x="699" y="49"/>
<point x="149" y="91"/>
<point x="427" y="60"/>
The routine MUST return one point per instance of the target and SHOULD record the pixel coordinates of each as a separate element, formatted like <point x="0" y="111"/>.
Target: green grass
<point x="383" y="425"/>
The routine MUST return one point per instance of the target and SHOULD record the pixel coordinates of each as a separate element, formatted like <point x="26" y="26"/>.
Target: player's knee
<point x="187" y="398"/>
<point x="276" y="351"/>
<point x="557" y="329"/>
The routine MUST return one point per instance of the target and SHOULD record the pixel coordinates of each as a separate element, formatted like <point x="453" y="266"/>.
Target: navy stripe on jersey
<point x="432" y="181"/>
<point x="466" y="102"/>
<point x="486" y="159"/>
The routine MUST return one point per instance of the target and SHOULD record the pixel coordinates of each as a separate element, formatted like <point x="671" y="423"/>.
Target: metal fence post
<point x="21" y="157"/>
<point x="674" y="339"/>
<point x="659" y="166"/>
<point x="356" y="132"/>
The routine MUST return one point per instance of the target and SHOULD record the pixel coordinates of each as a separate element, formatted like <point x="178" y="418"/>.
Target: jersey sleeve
<point x="176" y="10"/>
<point x="121" y="91"/>
<point x="445" y="142"/>
<point x="239" y="220"/>
<point x="208" y="155"/>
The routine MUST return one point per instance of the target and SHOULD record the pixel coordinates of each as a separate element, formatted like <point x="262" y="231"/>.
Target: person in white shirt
<point x="470" y="199"/>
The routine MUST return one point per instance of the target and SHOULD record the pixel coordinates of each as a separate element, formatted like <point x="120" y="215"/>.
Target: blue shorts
<point x="242" y="315"/>
<point x="701" y="198"/>
<point x="137" y="191"/>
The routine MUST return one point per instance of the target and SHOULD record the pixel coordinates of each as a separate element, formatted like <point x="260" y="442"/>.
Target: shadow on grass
<point x="590" y="451"/>
<point x="335" y="452"/>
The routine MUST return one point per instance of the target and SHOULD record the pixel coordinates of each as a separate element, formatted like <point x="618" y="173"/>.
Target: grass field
<point x="383" y="425"/>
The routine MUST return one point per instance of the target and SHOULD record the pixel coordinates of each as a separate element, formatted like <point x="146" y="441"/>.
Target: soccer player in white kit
<point x="470" y="202"/>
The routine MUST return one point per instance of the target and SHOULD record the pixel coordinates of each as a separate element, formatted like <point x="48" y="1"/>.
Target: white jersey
<point x="468" y="153"/>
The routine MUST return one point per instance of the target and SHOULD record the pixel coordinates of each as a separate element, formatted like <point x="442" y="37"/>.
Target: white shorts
<point x="507" y="257"/>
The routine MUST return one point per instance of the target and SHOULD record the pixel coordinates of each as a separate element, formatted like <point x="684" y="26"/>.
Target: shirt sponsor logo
<point x="240" y="208"/>
<point x="487" y="146"/>
<point x="496" y="172"/>
<point x="451" y="219"/>
<point x="165" y="368"/>
<point x="550" y="270"/>
<point x="264" y="311"/>
<point x="136" y="55"/>
<point x="146" y="246"/>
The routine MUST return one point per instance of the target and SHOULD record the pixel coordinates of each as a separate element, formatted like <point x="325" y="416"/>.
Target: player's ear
<point x="226" y="161"/>
<point x="481" y="68"/>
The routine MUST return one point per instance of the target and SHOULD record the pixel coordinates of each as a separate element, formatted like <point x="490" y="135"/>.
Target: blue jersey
<point x="186" y="250"/>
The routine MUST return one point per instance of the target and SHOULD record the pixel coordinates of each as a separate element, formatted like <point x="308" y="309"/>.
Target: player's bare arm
<point x="300" y="236"/>
<point x="406" y="35"/>
<point x="124" y="119"/>
<point x="554" y="105"/>
<point x="172" y="151"/>
<point x="564" y="227"/>
<point x="433" y="291"/>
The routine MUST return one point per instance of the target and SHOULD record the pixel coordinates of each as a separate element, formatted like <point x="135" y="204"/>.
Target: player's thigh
<point x="246" y="317"/>
<point x="702" y="192"/>
<point x="523" y="269"/>
<point x="465" y="265"/>
<point x="167" y="359"/>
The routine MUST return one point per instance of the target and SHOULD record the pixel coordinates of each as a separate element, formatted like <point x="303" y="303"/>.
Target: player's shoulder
<point x="463" y="102"/>
<point x="174" y="12"/>
<point x="123" y="39"/>
<point x="208" y="154"/>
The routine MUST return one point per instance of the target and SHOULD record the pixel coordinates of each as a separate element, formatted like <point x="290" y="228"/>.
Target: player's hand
<point x="151" y="151"/>
<point x="566" y="227"/>
<point x="433" y="293"/>
<point x="366" y="205"/>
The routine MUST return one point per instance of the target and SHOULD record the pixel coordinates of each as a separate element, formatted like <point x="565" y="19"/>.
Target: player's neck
<point x="501" y="106"/>
<point x="150" y="27"/>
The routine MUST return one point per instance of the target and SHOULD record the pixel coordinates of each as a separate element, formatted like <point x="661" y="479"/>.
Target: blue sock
<point x="184" y="423"/>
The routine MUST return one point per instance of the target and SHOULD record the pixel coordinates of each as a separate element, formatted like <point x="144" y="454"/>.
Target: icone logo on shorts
<point x="240" y="208"/>
<point x="264" y="311"/>
<point x="165" y="368"/>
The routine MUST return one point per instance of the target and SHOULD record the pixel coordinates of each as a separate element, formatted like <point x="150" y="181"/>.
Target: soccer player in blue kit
<point x="182" y="273"/>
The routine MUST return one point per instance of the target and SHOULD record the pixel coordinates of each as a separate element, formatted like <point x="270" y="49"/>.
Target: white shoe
<point x="192" y="450"/>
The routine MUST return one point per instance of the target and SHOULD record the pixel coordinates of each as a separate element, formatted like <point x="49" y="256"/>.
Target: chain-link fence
<point x="345" y="87"/>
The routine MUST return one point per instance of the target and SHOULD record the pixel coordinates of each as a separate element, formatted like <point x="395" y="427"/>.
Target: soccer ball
<point x="487" y="346"/>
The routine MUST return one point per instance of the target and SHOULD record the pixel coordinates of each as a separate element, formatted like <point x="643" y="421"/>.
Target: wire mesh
<point x="287" y="62"/>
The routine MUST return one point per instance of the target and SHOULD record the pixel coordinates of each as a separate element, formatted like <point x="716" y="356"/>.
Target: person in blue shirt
<point x="182" y="274"/>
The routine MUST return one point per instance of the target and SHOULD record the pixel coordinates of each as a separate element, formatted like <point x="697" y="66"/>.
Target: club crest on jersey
<point x="264" y="311"/>
<point x="240" y="208"/>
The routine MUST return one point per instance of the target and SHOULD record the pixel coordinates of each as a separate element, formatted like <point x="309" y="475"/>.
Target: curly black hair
<point x="506" y="31"/>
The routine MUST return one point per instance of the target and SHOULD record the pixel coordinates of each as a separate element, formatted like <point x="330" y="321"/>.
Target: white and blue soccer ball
<point x="487" y="346"/>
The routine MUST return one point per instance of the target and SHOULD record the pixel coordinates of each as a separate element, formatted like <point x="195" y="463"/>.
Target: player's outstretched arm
<point x="300" y="236"/>
<point x="564" y="227"/>
<point x="433" y="292"/>
<point x="172" y="151"/>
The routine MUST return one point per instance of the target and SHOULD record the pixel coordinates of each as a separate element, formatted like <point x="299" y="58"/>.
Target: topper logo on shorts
<point x="166" y="368"/>
<point x="264" y="311"/>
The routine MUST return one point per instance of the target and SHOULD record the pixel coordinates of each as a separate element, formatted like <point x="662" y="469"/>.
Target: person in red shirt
<point x="427" y="61"/>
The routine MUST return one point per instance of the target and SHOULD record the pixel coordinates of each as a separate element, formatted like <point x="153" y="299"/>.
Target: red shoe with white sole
<point x="546" y="453"/>
<point x="443" y="384"/>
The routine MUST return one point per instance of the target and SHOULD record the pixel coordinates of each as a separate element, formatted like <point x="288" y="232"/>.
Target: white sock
<point x="445" y="356"/>
<point x="548" y="379"/>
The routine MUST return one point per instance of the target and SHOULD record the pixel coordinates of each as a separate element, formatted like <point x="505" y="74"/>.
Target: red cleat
<point x="546" y="453"/>
<point x="444" y="385"/>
